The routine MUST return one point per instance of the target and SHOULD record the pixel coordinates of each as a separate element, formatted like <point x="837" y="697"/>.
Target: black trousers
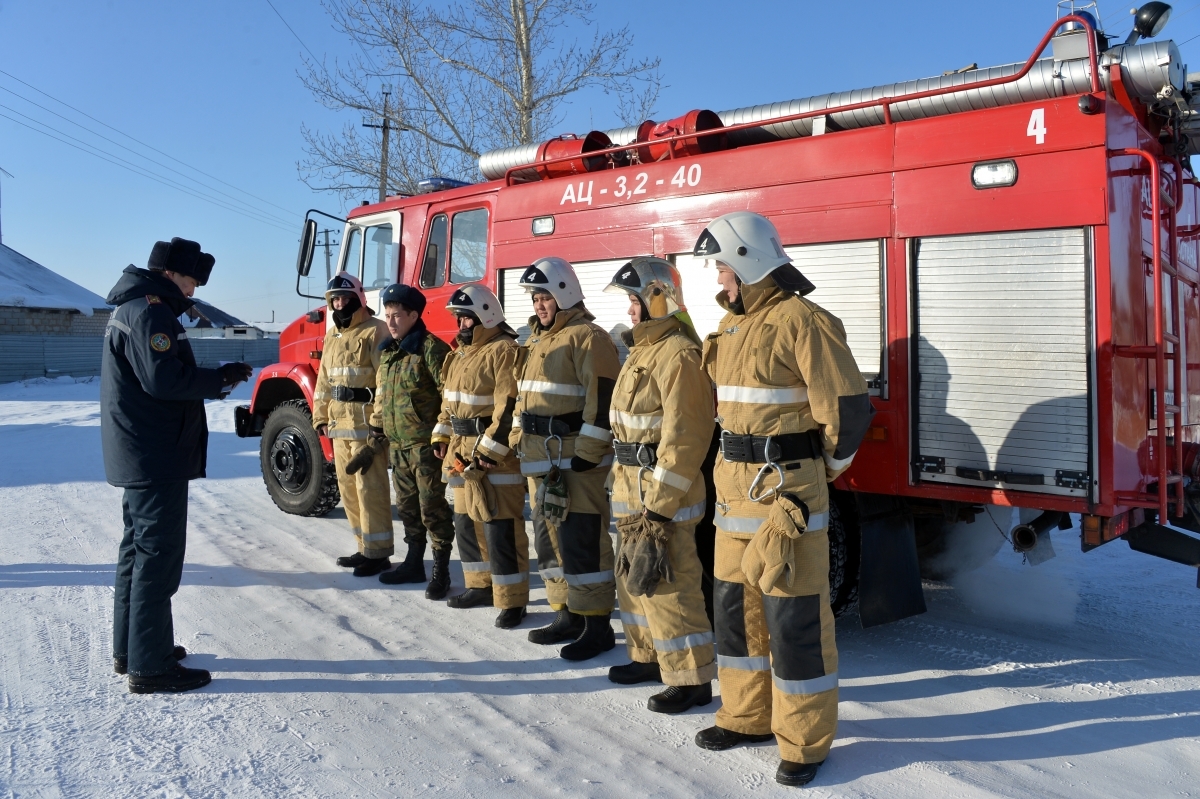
<point x="149" y="567"/>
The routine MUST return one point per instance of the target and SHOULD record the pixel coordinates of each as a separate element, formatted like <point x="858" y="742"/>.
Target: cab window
<point x="468" y="248"/>
<point x="379" y="262"/>
<point x="352" y="252"/>
<point x="433" y="267"/>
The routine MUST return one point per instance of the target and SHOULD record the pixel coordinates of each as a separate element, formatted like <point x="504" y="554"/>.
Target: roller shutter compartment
<point x="1001" y="325"/>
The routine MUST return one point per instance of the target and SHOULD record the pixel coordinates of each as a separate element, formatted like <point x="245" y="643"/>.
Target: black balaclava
<point x="465" y="335"/>
<point x="341" y="319"/>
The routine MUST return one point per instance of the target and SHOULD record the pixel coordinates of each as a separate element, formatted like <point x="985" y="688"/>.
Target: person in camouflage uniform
<point x="408" y="400"/>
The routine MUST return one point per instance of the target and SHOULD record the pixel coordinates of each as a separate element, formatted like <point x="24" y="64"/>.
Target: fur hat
<point x="181" y="256"/>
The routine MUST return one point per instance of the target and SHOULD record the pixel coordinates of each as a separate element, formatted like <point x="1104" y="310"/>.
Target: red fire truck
<point x="1013" y="252"/>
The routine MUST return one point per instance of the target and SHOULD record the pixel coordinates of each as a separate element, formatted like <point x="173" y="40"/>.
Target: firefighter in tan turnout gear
<point x="662" y="424"/>
<point x="478" y="397"/>
<point x="793" y="408"/>
<point x="342" y="406"/>
<point x="566" y="372"/>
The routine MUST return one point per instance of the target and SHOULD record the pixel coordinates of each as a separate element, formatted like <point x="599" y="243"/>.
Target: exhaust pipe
<point x="1030" y="539"/>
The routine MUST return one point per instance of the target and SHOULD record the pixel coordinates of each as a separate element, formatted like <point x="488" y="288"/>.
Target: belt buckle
<point x="648" y="461"/>
<point x="734" y="447"/>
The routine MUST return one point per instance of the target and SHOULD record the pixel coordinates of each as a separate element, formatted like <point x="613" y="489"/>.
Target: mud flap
<point x="889" y="577"/>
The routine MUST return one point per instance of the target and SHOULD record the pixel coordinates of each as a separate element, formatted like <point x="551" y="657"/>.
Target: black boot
<point x="412" y="570"/>
<point x="350" y="561"/>
<point x="121" y="665"/>
<point x="718" y="738"/>
<point x="679" y="698"/>
<point x="371" y="567"/>
<point x="795" y="775"/>
<point x="566" y="626"/>
<point x="597" y="638"/>
<point x="175" y="681"/>
<point x="509" y="618"/>
<point x="634" y="673"/>
<point x="472" y="598"/>
<point x="439" y="584"/>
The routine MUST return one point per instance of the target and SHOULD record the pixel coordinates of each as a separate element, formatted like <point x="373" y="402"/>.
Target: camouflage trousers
<point x="421" y="496"/>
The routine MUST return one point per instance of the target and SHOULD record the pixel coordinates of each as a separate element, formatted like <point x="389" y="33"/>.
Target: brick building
<point x="37" y="301"/>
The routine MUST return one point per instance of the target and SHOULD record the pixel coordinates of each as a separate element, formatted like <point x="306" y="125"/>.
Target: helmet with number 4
<point x="556" y="277"/>
<point x="750" y="245"/>
<point x="479" y="301"/>
<point x="652" y="280"/>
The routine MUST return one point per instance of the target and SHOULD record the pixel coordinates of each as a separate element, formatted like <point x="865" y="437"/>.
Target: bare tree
<point x="474" y="76"/>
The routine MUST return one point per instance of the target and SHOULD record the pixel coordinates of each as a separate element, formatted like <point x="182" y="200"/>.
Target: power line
<point x="138" y="170"/>
<point x="184" y="175"/>
<point x="289" y="27"/>
<point x="143" y="144"/>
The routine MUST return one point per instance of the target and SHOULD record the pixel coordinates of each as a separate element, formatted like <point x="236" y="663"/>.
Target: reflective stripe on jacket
<point x="350" y="358"/>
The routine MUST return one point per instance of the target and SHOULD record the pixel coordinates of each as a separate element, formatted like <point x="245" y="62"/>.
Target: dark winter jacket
<point x="152" y="421"/>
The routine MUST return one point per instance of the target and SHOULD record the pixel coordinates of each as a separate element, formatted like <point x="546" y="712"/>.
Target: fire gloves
<point x="365" y="457"/>
<point x="552" y="497"/>
<point x="771" y="555"/>
<point x="643" y="560"/>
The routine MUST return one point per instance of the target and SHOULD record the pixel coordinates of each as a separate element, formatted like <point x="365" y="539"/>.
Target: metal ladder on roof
<point x="1170" y="481"/>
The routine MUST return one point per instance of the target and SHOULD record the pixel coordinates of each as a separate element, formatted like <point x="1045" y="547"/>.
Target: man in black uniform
<point x="155" y="437"/>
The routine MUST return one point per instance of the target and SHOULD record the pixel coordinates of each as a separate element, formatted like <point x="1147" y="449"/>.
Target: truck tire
<point x="844" y="547"/>
<point x="293" y="465"/>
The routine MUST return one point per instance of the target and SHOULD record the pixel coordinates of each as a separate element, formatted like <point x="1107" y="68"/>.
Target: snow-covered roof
<point x="204" y="314"/>
<point x="25" y="283"/>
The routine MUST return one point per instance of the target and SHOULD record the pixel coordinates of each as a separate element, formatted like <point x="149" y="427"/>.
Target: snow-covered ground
<point x="1079" y="678"/>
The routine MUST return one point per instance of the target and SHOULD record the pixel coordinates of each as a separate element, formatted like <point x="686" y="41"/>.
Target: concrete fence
<point x="23" y="357"/>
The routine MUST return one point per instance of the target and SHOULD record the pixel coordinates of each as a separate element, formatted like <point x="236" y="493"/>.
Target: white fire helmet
<point x="655" y="281"/>
<point x="744" y="241"/>
<point x="555" y="276"/>
<point x="345" y="283"/>
<point x="478" y="300"/>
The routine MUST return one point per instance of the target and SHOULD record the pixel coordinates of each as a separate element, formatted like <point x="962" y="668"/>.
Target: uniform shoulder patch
<point x="160" y="342"/>
<point x="153" y="299"/>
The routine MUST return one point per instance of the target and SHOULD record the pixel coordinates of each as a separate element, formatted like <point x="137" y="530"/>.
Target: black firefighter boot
<point x="679" y="698"/>
<point x="567" y="626"/>
<point x="439" y="584"/>
<point x="472" y="598"/>
<point x="412" y="570"/>
<point x="597" y="638"/>
<point x="795" y="775"/>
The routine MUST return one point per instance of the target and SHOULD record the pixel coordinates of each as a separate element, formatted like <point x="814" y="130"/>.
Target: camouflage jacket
<point x="408" y="394"/>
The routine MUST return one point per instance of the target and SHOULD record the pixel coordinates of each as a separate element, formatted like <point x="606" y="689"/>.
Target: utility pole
<point x="386" y="126"/>
<point x="326" y="244"/>
<point x="5" y="173"/>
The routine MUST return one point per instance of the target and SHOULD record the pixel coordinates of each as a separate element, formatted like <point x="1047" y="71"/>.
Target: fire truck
<point x="1013" y="252"/>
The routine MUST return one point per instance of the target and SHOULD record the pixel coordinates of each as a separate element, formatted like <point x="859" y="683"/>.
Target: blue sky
<point x="214" y="85"/>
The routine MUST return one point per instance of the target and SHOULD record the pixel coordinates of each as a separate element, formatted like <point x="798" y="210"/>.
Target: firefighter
<point x="154" y="435"/>
<point x="343" y="405"/>
<point x="410" y="393"/>
<point x="477" y="410"/>
<point x="662" y="424"/>
<point x="566" y="372"/>
<point x="793" y="408"/>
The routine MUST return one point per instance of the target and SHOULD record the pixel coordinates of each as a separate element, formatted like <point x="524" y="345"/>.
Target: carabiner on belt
<point x="546" y="446"/>
<point x="758" y="478"/>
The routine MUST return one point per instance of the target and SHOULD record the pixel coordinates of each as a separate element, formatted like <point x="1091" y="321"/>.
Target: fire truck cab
<point x="1013" y="252"/>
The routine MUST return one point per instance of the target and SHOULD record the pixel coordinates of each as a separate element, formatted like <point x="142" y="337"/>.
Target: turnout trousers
<point x="421" y="496"/>
<point x="671" y="627"/>
<point x="581" y="544"/>
<point x="495" y="553"/>
<point x="149" y="568"/>
<point x="366" y="499"/>
<point x="776" y="653"/>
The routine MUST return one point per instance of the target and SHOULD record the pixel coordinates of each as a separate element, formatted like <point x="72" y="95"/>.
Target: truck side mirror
<point x="308" y="243"/>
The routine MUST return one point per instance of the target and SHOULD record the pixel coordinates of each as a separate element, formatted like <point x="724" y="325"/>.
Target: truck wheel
<point x="845" y="545"/>
<point x="293" y="465"/>
<point x="948" y="548"/>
